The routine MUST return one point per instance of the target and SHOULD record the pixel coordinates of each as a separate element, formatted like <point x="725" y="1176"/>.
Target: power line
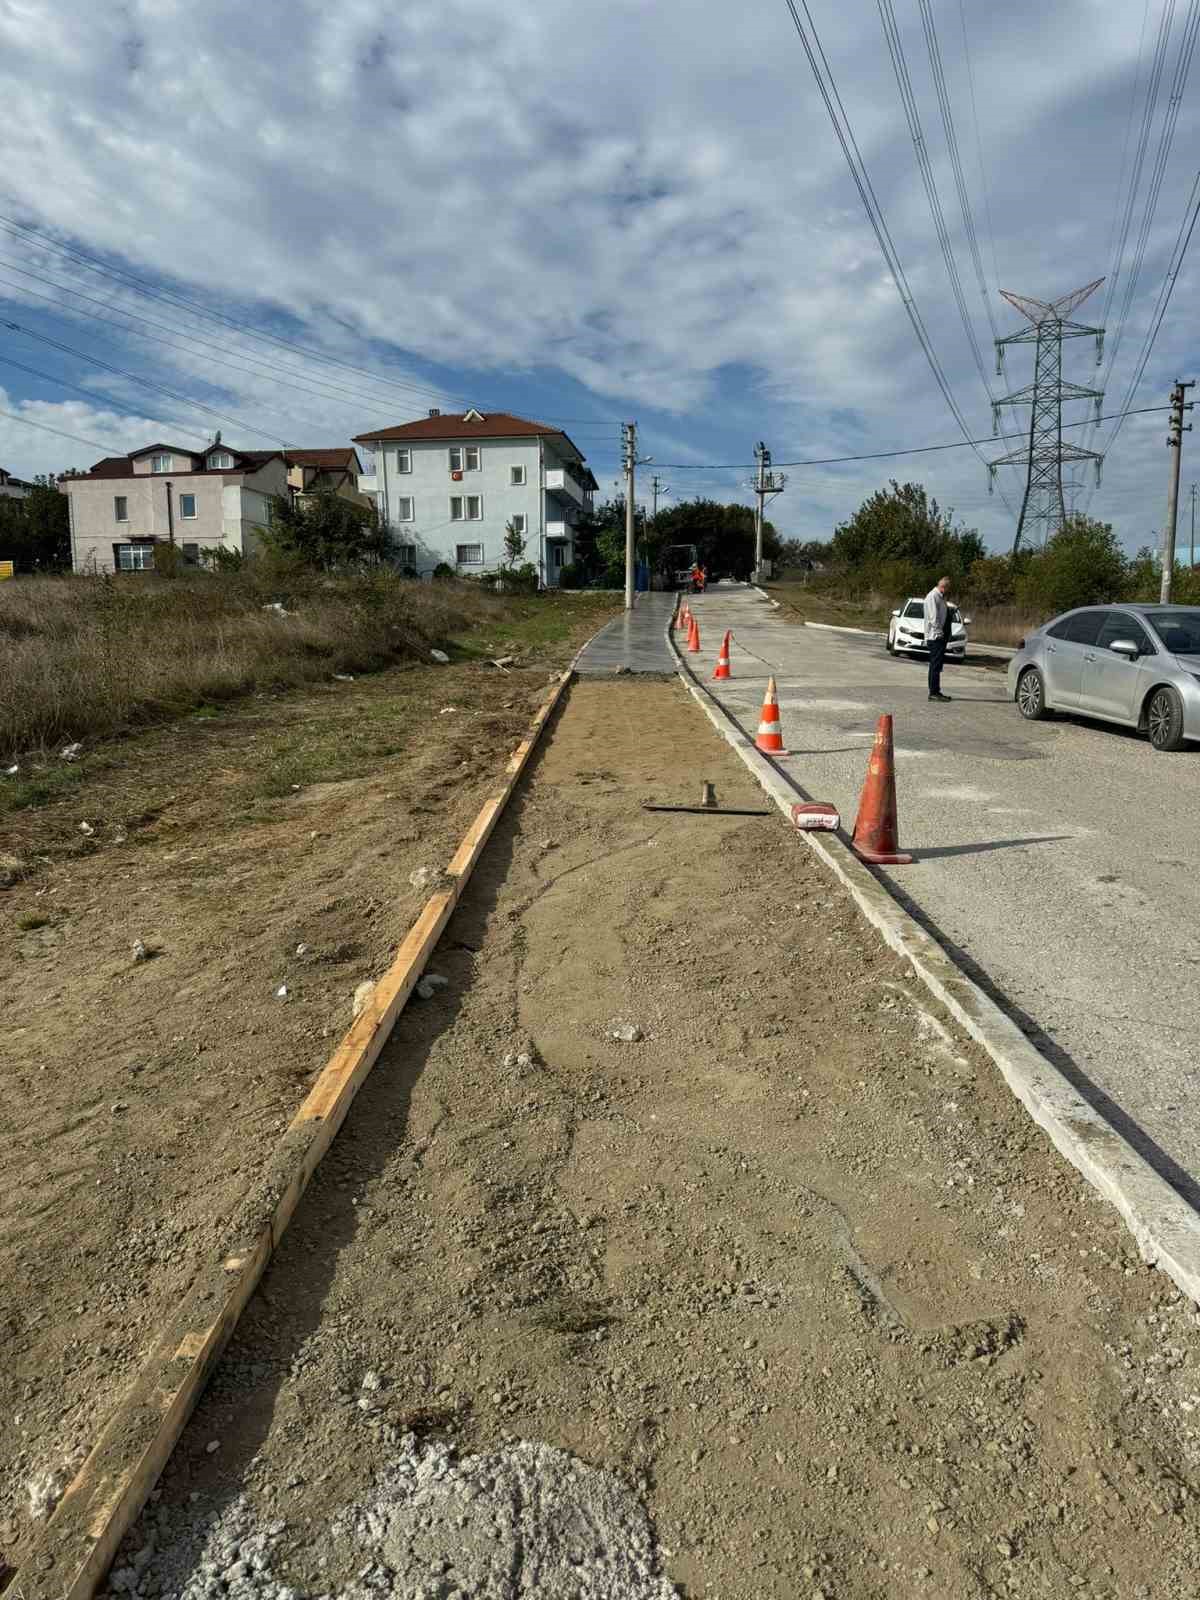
<point x="181" y="302"/>
<point x="91" y="394"/>
<point x="62" y="434"/>
<point x="941" y="88"/>
<point x="827" y="87"/>
<point x="987" y="204"/>
<point x="908" y="100"/>
<point x="877" y="455"/>
<point x="146" y="383"/>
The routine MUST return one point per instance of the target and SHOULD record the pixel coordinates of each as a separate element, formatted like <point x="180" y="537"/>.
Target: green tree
<point x="992" y="581"/>
<point x="514" y="544"/>
<point x="35" y="532"/>
<point x="1082" y="564"/>
<point x="324" y="531"/>
<point x="904" y="528"/>
<point x="722" y="533"/>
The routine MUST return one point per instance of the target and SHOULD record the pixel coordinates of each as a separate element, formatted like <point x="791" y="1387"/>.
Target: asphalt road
<point x="1059" y="858"/>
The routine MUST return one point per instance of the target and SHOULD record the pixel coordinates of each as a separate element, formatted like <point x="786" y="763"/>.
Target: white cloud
<point x="643" y="200"/>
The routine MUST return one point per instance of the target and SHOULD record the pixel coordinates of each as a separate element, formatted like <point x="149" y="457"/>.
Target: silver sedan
<point x="1136" y="665"/>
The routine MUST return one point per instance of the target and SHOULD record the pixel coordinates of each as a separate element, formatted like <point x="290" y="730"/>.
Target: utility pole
<point x="1192" y="548"/>
<point x="766" y="486"/>
<point x="631" y="461"/>
<point x="1175" y="433"/>
<point x="657" y="487"/>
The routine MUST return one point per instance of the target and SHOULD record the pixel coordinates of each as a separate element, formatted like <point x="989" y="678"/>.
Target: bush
<point x="1082" y="564"/>
<point x="444" y="572"/>
<point x="572" y="576"/>
<point x="991" y="581"/>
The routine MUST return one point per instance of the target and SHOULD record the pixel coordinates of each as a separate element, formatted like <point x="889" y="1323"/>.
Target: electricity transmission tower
<point x="1042" y="509"/>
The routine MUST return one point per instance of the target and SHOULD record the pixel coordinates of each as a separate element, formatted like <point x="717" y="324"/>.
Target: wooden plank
<point x="76" y="1547"/>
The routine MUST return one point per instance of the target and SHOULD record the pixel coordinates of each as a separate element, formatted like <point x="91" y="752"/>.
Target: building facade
<point x="13" y="488"/>
<point x="447" y="488"/>
<point x="335" y="471"/>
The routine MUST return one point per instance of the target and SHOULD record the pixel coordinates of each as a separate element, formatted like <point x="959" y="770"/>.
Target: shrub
<point x="572" y="576"/>
<point x="1082" y="564"/>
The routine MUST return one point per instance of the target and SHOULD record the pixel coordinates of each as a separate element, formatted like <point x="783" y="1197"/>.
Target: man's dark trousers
<point x="937" y="654"/>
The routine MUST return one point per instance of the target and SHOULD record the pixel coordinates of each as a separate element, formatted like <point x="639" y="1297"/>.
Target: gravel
<point x="524" y="1519"/>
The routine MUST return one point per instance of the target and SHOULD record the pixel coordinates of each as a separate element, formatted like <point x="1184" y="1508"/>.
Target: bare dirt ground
<point x="266" y="846"/>
<point x="791" y="1263"/>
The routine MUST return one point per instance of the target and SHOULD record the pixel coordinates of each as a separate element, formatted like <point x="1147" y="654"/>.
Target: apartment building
<point x="13" y="488"/>
<point x="448" y="486"/>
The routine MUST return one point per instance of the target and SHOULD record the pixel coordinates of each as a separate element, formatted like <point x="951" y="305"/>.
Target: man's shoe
<point x="939" y="697"/>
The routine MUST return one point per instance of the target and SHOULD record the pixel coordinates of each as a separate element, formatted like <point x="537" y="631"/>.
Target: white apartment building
<point x="448" y="486"/>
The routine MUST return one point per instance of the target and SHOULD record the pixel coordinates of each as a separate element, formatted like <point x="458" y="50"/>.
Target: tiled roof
<point x="496" y="425"/>
<point x="122" y="466"/>
<point x="327" y="460"/>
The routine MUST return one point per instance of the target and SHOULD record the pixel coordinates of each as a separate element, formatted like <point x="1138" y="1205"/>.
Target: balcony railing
<point x="368" y="483"/>
<point x="561" y="482"/>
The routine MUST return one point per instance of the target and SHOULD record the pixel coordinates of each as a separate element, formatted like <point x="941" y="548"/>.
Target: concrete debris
<point x="440" y="655"/>
<point x="45" y="1490"/>
<point x="362" y="996"/>
<point x="71" y="752"/>
<point x="140" y="951"/>
<point x="524" y="1518"/>
<point x="343" y="677"/>
<point x="278" y="607"/>
<point x="282" y="992"/>
<point x="429" y="985"/>
<point x="301" y="949"/>
<point x="446" y="710"/>
<point x="626" y="1033"/>
<point x="87" y="829"/>
<point x="522" y="1060"/>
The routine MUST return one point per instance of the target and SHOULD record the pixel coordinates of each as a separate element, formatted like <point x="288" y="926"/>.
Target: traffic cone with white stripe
<point x="876" y="831"/>
<point x="723" y="658"/>
<point x="693" y="644"/>
<point x="685" y="617"/>
<point x="770" y="731"/>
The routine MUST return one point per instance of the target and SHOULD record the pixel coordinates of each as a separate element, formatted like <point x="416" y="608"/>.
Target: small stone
<point x="211" y="1448"/>
<point x="140" y="952"/>
<point x="1005" y="1549"/>
<point x="439" y="655"/>
<point x="301" y="949"/>
<point x="70" y="752"/>
<point x="372" y="1381"/>
<point x="86" y="828"/>
<point x="282" y="992"/>
<point x="119" y="1106"/>
<point x="626" y="1033"/>
<point x="430" y="984"/>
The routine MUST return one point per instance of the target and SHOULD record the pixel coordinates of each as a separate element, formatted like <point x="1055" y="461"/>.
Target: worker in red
<point x="698" y="577"/>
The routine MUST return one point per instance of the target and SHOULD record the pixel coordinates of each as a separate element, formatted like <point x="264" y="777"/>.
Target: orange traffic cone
<point x="723" y="659"/>
<point x="693" y="643"/>
<point x="770" y="732"/>
<point x="876" y="834"/>
<point x="685" y="617"/>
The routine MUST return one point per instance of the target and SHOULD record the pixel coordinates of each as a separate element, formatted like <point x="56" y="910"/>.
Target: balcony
<point x="368" y="483"/>
<point x="564" y="484"/>
<point x="560" y="530"/>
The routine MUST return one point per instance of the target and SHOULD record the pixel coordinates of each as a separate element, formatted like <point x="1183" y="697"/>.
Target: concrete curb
<point x="1165" y="1226"/>
<point x="774" y="604"/>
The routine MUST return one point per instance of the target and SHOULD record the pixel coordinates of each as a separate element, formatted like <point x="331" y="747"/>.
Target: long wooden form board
<point x="77" y="1545"/>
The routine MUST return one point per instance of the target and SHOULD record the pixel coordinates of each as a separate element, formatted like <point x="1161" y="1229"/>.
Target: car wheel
<point x="1031" y="695"/>
<point x="891" y="645"/>
<point x="1164" y="719"/>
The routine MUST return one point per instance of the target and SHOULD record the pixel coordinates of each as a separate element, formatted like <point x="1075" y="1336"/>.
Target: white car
<point x="906" y="631"/>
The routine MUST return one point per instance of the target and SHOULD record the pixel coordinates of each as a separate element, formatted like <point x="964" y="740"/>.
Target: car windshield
<point x="914" y="608"/>
<point x="1178" y="630"/>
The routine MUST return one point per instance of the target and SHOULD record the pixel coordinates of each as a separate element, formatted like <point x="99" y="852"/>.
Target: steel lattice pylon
<point x="1042" y="509"/>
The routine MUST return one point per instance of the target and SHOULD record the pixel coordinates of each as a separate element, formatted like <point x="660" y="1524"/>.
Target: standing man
<point x="937" y="620"/>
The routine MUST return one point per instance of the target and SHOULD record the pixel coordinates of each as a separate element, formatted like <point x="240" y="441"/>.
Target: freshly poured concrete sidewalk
<point x="635" y="640"/>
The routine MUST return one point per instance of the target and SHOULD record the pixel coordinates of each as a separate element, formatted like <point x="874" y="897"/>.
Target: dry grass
<point x="85" y="657"/>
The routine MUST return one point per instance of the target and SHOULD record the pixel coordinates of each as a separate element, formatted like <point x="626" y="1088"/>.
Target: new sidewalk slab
<point x="635" y="640"/>
<point x="1052" y="857"/>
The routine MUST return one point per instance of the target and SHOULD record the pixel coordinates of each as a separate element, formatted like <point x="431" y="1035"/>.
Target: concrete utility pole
<point x="631" y="461"/>
<point x="1175" y="433"/>
<point x="766" y="486"/>
<point x="1192" y="547"/>
<point x="657" y="487"/>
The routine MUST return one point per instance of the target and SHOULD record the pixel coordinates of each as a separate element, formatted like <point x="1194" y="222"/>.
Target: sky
<point x="315" y="220"/>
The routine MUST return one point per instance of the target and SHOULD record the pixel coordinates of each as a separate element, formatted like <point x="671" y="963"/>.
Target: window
<point x="914" y="608"/>
<point x="474" y="508"/>
<point x="464" y="458"/>
<point x="1084" y="627"/>
<point x="467" y="507"/>
<point x="134" y="557"/>
<point x="519" y="522"/>
<point x="1179" y="631"/>
<point x="406" y="555"/>
<point x="403" y="460"/>
<point x="187" y="507"/>
<point x="558" y="551"/>
<point x="456" y="458"/>
<point x="220" y="460"/>
<point x="404" y="508"/>
<point x="191" y="555"/>
<point x="472" y="455"/>
<point x="1120" y="625"/>
<point x="516" y="476"/>
<point x="160" y="463"/>
<point x="456" y="508"/>
<point x="121" y="508"/>
<point x="469" y="555"/>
